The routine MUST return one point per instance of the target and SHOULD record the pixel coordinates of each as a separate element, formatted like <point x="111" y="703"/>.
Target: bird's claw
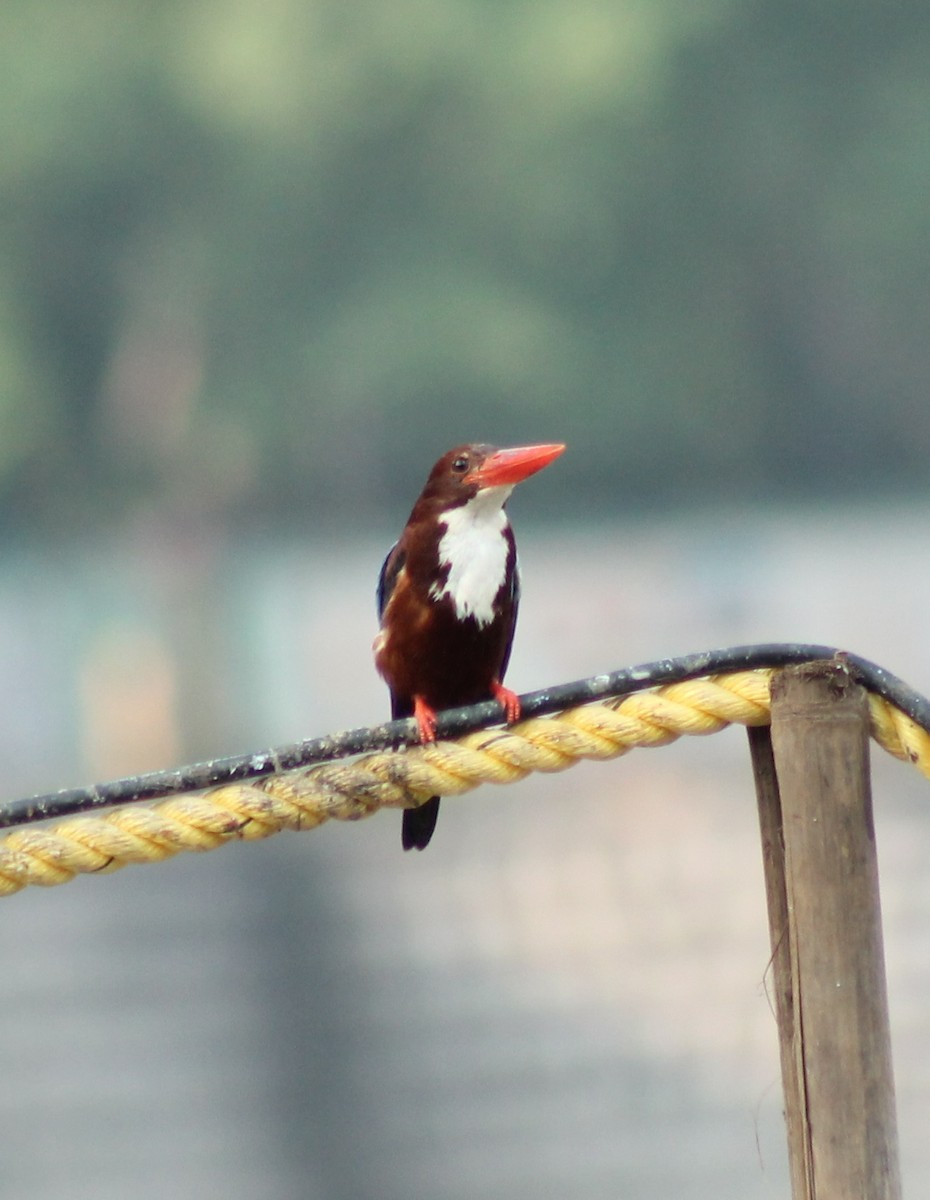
<point x="425" y="718"/>
<point x="509" y="701"/>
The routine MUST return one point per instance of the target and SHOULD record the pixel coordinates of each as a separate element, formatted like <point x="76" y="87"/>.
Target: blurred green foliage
<point x="270" y="257"/>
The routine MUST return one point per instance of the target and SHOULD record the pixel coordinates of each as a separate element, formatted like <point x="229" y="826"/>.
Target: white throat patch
<point x="475" y="550"/>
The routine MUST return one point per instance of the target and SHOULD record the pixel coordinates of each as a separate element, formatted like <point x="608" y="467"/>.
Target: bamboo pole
<point x="781" y="988"/>
<point x="812" y="785"/>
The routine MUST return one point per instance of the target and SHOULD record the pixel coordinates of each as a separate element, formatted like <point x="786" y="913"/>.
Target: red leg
<point x="425" y="718"/>
<point x="509" y="701"/>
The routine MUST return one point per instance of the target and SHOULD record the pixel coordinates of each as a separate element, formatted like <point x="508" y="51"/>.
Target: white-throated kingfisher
<point x="448" y="595"/>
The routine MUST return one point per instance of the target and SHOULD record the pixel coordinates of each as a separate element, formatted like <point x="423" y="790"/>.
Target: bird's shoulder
<point x="390" y="572"/>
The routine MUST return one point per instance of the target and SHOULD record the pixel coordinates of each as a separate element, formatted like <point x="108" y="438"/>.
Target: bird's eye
<point x="460" y="464"/>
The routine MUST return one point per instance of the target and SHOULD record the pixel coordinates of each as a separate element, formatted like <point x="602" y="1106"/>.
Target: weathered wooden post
<point x="812" y="783"/>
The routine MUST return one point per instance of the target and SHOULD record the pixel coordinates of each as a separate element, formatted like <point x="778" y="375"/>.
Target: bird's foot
<point x="425" y="718"/>
<point x="508" y="700"/>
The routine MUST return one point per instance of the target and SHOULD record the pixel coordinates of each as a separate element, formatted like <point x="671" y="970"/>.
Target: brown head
<point x="466" y="470"/>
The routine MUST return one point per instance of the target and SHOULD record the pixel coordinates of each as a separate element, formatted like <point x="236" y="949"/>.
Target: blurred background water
<point x="566" y="994"/>
<point x="259" y="265"/>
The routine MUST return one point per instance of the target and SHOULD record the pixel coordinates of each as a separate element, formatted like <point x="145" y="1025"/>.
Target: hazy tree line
<point x="269" y="258"/>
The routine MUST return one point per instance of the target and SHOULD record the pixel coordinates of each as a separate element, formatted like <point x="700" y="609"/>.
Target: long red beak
<point x="505" y="467"/>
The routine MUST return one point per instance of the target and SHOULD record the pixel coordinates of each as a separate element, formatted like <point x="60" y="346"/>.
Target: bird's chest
<point x="474" y="559"/>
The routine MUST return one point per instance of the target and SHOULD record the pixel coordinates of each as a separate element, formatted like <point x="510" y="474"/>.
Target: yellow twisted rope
<point x="348" y="790"/>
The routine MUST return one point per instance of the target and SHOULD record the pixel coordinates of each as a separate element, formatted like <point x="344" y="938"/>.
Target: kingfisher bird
<point x="448" y="595"/>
